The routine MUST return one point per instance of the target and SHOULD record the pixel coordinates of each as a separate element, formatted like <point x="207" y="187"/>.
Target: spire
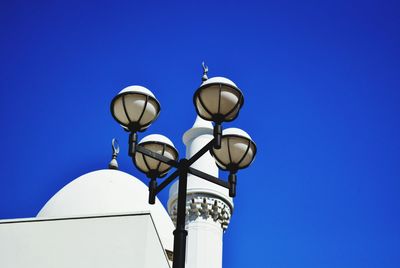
<point x="115" y="147"/>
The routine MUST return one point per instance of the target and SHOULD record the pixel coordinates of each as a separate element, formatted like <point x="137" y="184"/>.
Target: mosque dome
<point x="105" y="192"/>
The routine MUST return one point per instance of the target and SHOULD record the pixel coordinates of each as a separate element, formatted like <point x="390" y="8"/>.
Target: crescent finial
<point x="205" y="71"/>
<point x="115" y="148"/>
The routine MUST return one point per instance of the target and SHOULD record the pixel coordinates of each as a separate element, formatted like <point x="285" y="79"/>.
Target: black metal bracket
<point x="157" y="156"/>
<point x="217" y="136"/>
<point x="183" y="167"/>
<point x="177" y="165"/>
<point x="201" y="152"/>
<point x="132" y="143"/>
<point x="208" y="177"/>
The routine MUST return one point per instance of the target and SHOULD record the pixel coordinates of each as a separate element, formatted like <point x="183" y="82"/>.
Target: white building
<point x="103" y="219"/>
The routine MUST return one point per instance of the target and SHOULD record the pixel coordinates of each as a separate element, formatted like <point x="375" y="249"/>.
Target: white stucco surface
<point x="117" y="241"/>
<point x="105" y="192"/>
<point x="204" y="246"/>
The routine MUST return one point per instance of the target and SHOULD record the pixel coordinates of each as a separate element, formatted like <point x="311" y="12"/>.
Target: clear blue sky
<point x="322" y="90"/>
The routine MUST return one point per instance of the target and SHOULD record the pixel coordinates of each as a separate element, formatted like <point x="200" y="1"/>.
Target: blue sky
<point x="321" y="85"/>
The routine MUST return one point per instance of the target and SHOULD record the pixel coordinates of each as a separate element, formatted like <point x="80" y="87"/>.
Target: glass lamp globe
<point x="158" y="144"/>
<point x="135" y="108"/>
<point x="237" y="150"/>
<point x="218" y="99"/>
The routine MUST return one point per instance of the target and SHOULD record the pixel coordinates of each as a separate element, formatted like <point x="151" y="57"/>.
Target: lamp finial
<point x="205" y="71"/>
<point x="115" y="148"/>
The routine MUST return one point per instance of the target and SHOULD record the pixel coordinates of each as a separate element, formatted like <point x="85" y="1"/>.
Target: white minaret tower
<point x="208" y="206"/>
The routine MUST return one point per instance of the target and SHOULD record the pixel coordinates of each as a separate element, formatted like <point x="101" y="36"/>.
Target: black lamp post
<point x="219" y="100"/>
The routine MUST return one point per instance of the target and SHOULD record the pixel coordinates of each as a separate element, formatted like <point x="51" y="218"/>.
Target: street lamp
<point x="237" y="151"/>
<point x="217" y="99"/>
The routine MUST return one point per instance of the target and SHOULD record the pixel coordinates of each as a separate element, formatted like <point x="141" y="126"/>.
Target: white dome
<point x="108" y="192"/>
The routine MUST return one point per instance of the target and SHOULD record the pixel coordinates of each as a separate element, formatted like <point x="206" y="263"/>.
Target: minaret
<point x="208" y="206"/>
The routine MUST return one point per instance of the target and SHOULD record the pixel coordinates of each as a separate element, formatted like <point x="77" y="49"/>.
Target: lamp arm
<point x="170" y="161"/>
<point x="156" y="156"/>
<point x="201" y="152"/>
<point x="197" y="173"/>
<point x="156" y="189"/>
<point x="152" y="190"/>
<point x="208" y="177"/>
<point x="167" y="181"/>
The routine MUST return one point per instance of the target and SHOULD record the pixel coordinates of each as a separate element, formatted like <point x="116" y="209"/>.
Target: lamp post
<point x="218" y="100"/>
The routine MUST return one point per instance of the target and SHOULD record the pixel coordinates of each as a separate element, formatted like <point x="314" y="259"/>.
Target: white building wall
<point x="204" y="244"/>
<point x="208" y="206"/>
<point x="117" y="241"/>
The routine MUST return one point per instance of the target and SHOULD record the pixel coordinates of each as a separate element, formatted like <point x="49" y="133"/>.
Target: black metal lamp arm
<point x="183" y="167"/>
<point x="208" y="177"/>
<point x="175" y="164"/>
<point x="157" y="156"/>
